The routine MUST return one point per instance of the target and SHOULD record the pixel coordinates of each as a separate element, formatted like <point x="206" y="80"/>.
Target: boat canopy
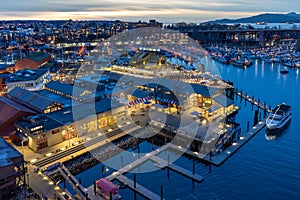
<point x="107" y="186"/>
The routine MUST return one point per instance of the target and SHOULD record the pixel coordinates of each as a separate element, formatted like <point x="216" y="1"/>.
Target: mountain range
<point x="266" y="17"/>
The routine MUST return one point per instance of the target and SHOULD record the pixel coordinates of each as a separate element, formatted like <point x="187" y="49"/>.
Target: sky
<point x="166" y="11"/>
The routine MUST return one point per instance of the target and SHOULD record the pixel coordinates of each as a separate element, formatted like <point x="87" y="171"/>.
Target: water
<point x="262" y="169"/>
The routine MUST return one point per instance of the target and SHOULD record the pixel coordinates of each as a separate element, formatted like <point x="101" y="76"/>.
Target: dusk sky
<point x="165" y="11"/>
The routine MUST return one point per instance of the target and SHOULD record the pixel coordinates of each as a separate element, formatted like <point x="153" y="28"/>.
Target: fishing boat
<point x="279" y="117"/>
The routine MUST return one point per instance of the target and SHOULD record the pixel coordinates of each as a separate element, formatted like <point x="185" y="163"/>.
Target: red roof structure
<point x="107" y="186"/>
<point x="10" y="111"/>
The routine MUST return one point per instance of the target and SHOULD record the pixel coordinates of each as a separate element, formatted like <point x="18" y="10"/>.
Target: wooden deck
<point x="253" y="101"/>
<point x="178" y="169"/>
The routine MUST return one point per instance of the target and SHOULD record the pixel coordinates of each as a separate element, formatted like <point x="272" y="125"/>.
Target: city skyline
<point x="167" y="12"/>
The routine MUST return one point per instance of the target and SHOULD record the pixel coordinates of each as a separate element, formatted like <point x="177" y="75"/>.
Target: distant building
<point x="29" y="79"/>
<point x="12" y="171"/>
<point x="33" y="61"/>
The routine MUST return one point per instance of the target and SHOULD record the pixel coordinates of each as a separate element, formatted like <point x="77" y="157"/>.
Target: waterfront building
<point x="31" y="80"/>
<point x="12" y="171"/>
<point x="33" y="61"/>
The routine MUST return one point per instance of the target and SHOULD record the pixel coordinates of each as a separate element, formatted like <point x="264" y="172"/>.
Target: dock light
<point x="33" y="160"/>
<point x="196" y="153"/>
<point x="39" y="172"/>
<point x="107" y="169"/>
<point x="56" y="188"/>
<point x="260" y="122"/>
<point x="45" y="178"/>
<point x="63" y="193"/>
<point x="179" y="147"/>
<point x="234" y="144"/>
<point x="119" y="126"/>
<point x="99" y="134"/>
<point x="75" y="143"/>
<point x="128" y="122"/>
<point x="109" y="130"/>
<point x="63" y="148"/>
<point x="148" y="154"/>
<point x="228" y="152"/>
<point x="88" y="138"/>
<point x="51" y="183"/>
<point x="242" y="138"/>
<point x="48" y="154"/>
<point x="115" y="173"/>
<point x="254" y="127"/>
<point x="162" y="126"/>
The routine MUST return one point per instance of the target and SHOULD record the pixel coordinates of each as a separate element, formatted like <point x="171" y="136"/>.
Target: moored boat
<point x="279" y="117"/>
<point x="107" y="189"/>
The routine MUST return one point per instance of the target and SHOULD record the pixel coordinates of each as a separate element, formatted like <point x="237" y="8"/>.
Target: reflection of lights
<point x="33" y="160"/>
<point x="48" y="154"/>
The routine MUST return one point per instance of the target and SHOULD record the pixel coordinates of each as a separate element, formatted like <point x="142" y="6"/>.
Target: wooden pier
<point x="257" y="102"/>
<point x="176" y="168"/>
<point x="138" y="188"/>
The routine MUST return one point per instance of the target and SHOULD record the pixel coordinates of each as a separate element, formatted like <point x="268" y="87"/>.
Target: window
<point x="55" y="131"/>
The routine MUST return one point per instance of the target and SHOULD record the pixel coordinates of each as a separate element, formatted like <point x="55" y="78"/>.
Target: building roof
<point x="71" y="90"/>
<point x="30" y="99"/>
<point x="84" y="110"/>
<point x="47" y="122"/>
<point x="223" y="100"/>
<point x="39" y="56"/>
<point x="26" y="75"/>
<point x="8" y="154"/>
<point x="10" y="111"/>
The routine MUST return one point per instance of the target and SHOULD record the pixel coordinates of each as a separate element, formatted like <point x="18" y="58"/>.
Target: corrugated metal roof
<point x="30" y="99"/>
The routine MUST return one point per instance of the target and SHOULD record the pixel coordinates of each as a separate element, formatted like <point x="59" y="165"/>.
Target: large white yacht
<point x="279" y="117"/>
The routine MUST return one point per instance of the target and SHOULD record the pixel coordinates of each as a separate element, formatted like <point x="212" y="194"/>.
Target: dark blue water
<point x="262" y="169"/>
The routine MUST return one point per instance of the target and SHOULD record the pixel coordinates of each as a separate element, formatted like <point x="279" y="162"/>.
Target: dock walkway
<point x="178" y="169"/>
<point x="138" y="189"/>
<point x="253" y="101"/>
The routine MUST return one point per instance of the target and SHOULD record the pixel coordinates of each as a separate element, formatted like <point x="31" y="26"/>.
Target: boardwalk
<point x="177" y="169"/>
<point x="253" y="101"/>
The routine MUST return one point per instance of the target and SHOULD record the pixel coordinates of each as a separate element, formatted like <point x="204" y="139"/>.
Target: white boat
<point x="279" y="117"/>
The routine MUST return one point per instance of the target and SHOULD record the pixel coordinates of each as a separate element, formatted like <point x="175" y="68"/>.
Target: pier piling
<point x="95" y="188"/>
<point x="134" y="180"/>
<point x="193" y="167"/>
<point x="161" y="193"/>
<point x="248" y="124"/>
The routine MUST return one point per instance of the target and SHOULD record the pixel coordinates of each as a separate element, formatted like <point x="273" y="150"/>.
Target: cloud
<point x="132" y="8"/>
